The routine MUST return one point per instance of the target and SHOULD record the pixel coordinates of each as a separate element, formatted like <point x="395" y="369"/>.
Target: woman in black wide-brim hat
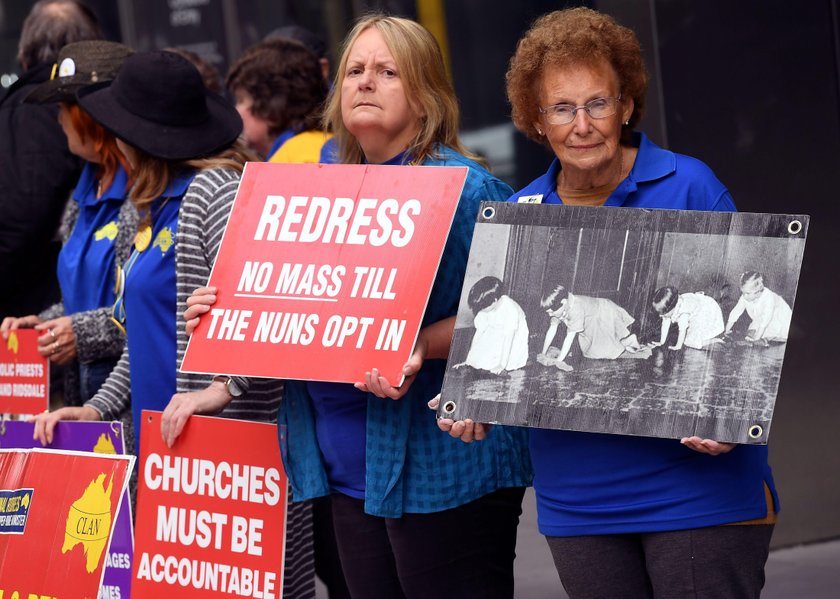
<point x="186" y="162"/>
<point x="181" y="143"/>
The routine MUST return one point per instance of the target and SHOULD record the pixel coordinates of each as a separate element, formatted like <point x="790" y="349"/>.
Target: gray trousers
<point x="719" y="562"/>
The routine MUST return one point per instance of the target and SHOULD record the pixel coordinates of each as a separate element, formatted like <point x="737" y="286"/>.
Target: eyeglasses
<point x="563" y="114"/>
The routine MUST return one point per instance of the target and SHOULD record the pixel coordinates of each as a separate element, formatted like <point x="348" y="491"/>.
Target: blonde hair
<point x="153" y="175"/>
<point x="424" y="78"/>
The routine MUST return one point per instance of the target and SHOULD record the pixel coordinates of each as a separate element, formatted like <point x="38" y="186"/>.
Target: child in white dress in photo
<point x="599" y="324"/>
<point x="500" y="342"/>
<point x="769" y="312"/>
<point x="698" y="316"/>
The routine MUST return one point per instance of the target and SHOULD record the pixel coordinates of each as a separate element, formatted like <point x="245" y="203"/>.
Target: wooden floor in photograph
<point x="718" y="393"/>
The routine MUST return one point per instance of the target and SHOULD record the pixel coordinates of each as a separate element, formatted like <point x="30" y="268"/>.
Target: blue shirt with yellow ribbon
<point x="148" y="305"/>
<point x="87" y="262"/>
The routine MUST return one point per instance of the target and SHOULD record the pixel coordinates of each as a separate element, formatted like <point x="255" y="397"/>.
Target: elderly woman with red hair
<point x="628" y="516"/>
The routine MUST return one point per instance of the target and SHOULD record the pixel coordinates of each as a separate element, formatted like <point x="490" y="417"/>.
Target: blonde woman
<point x="399" y="488"/>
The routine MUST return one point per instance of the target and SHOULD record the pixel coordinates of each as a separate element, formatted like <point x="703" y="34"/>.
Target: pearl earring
<point x="627" y="122"/>
<point x="540" y="131"/>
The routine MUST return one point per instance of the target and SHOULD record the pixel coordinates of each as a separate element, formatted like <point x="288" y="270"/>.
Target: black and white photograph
<point x="638" y="322"/>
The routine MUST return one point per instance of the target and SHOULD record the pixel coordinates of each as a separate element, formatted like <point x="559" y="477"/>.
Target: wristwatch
<point x="230" y="384"/>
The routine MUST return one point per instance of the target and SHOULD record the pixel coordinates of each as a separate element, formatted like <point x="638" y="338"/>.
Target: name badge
<point x="534" y="199"/>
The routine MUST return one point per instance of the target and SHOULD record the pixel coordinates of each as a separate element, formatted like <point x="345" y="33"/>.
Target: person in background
<point x="628" y="516"/>
<point x="186" y="161"/>
<point x="37" y="170"/>
<point x="279" y="94"/>
<point x="311" y="42"/>
<point x="398" y="488"/>
<point x="98" y="228"/>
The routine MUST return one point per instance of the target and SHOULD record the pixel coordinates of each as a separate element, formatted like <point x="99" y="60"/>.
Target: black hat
<point x="158" y="104"/>
<point x="80" y="64"/>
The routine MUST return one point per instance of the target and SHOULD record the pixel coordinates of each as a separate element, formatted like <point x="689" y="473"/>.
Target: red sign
<point x="24" y="374"/>
<point x="211" y="512"/>
<point x="324" y="270"/>
<point x="55" y="530"/>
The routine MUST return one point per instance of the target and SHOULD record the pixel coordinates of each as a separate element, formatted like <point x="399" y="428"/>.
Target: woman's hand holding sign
<point x="210" y="400"/>
<point x="58" y="343"/>
<point x="708" y="446"/>
<point x="46" y="421"/>
<point x="10" y="323"/>
<point x="466" y="430"/>
<point x="379" y="385"/>
<point x="197" y="304"/>
<point x="433" y="342"/>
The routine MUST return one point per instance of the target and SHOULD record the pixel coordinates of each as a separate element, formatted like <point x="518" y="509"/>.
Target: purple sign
<point x="98" y="437"/>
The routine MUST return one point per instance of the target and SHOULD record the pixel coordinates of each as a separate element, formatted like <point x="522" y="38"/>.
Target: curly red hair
<point x="576" y="36"/>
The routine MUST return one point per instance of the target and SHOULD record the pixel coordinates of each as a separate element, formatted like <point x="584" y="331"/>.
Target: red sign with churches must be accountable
<point x="211" y="511"/>
<point x="24" y="374"/>
<point x="324" y="271"/>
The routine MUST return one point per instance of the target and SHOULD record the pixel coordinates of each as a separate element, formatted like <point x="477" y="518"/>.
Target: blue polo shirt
<point x="340" y="422"/>
<point x="658" y="179"/>
<point x="151" y="319"/>
<point x="87" y="262"/>
<point x="590" y="483"/>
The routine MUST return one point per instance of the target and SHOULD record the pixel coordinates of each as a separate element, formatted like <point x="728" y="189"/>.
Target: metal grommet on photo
<point x="755" y="431"/>
<point x="449" y="407"/>
<point x="794" y="227"/>
<point x="488" y="213"/>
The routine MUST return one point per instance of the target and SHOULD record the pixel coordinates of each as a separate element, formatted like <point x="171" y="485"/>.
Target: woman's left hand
<point x="707" y="445"/>
<point x="46" y="421"/>
<point x="210" y="400"/>
<point x="380" y="386"/>
<point x="58" y="343"/>
<point x="433" y="342"/>
<point x="465" y="430"/>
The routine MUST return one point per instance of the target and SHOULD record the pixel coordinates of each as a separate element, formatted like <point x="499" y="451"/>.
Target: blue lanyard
<point x="141" y="243"/>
